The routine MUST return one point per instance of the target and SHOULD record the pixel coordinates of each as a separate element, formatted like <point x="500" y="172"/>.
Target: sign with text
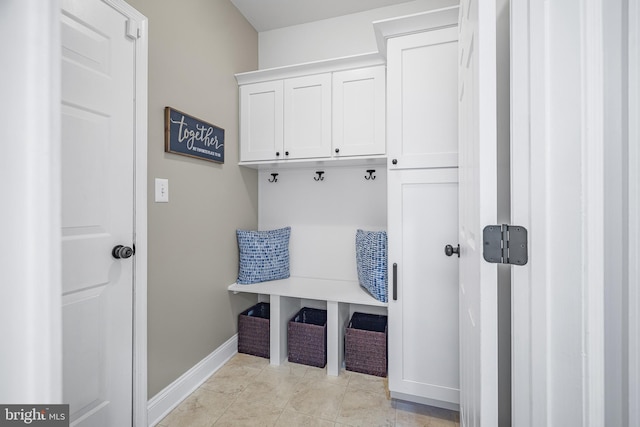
<point x="186" y="135"/>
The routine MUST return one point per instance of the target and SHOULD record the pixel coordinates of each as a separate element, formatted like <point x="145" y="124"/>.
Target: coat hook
<point x="319" y="177"/>
<point x="274" y="177"/>
<point x="371" y="174"/>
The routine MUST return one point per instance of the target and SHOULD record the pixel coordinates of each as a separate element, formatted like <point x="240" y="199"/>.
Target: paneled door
<point x="97" y="158"/>
<point x="478" y="208"/>
<point x="423" y="296"/>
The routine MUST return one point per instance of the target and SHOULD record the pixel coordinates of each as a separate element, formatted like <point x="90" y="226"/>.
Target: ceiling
<point x="267" y="15"/>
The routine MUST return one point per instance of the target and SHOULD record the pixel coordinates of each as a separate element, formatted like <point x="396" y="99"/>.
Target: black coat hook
<point x="274" y="178"/>
<point x="319" y="177"/>
<point x="371" y="174"/>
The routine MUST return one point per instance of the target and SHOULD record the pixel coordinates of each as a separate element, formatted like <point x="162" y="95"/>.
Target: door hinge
<point x="505" y="244"/>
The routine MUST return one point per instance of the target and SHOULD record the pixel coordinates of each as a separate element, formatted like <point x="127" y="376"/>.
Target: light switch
<point x="162" y="190"/>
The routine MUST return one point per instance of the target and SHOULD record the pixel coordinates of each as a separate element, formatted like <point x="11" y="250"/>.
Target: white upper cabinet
<point x="423" y="100"/>
<point x="307" y="117"/>
<point x="261" y="124"/>
<point x="359" y="112"/>
<point x="317" y="111"/>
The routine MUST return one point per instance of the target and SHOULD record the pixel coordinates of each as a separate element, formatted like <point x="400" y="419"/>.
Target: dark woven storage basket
<point x="366" y="344"/>
<point x="307" y="337"/>
<point x="253" y="330"/>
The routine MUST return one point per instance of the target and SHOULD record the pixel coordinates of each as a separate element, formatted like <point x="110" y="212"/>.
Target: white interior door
<point x="478" y="208"/>
<point x="97" y="212"/>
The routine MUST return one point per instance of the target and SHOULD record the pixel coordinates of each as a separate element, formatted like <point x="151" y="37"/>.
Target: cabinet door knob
<point x="286" y="153"/>
<point x="394" y="161"/>
<point x="337" y="150"/>
<point x="277" y="154"/>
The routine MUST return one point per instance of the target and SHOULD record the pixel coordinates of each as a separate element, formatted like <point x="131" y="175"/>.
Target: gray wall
<point x="195" y="48"/>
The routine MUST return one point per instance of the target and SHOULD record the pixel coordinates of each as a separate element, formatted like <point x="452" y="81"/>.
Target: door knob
<point x="450" y="250"/>
<point x="120" y="252"/>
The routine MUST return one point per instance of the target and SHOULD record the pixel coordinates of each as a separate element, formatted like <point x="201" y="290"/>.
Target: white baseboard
<point x="171" y="396"/>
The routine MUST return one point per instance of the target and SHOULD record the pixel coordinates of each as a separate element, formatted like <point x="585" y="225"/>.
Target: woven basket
<point x="366" y="344"/>
<point x="307" y="337"/>
<point x="253" y="330"/>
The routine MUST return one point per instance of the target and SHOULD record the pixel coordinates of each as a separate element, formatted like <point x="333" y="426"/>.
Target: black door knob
<point x="121" y="252"/>
<point x="450" y="250"/>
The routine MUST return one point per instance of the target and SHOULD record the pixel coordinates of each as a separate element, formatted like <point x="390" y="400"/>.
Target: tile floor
<point x="248" y="391"/>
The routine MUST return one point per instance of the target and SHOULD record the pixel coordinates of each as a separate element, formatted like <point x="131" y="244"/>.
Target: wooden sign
<point x="186" y="135"/>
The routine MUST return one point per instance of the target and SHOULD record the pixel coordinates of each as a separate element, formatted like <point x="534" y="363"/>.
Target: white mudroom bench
<point x="287" y="296"/>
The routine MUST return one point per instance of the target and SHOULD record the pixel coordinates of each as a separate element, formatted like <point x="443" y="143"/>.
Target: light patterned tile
<point x="290" y="418"/>
<point x="319" y="399"/>
<point x="367" y="409"/>
<point x="273" y="387"/>
<point x="236" y="374"/>
<point x="318" y="374"/>
<point x="201" y="409"/>
<point x="369" y="383"/>
<point x="250" y="414"/>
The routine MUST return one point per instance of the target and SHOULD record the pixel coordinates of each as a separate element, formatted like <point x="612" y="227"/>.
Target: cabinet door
<point x="423" y="320"/>
<point x="261" y="121"/>
<point x="359" y="112"/>
<point x="307" y="114"/>
<point x="422" y="96"/>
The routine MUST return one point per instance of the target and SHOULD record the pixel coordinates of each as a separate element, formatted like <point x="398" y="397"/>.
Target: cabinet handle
<point x="394" y="161"/>
<point x="277" y="154"/>
<point x="286" y="153"/>
<point x="337" y="150"/>
<point x="395" y="281"/>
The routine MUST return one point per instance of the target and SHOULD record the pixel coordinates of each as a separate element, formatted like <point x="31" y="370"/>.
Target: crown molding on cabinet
<point x="410" y="24"/>
<point x="308" y="68"/>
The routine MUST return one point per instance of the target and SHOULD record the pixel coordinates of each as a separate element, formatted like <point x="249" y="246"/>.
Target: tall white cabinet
<point x="422" y="194"/>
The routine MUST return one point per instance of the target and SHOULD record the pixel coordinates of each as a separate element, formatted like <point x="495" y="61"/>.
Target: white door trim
<point x="30" y="173"/>
<point x="535" y="318"/>
<point x="592" y="33"/>
<point x="634" y="213"/>
<point x="30" y="310"/>
<point x="138" y="23"/>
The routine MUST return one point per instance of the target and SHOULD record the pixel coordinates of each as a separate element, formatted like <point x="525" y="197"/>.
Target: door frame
<point x="32" y="180"/>
<point x="634" y="213"/>
<point x="537" y="323"/>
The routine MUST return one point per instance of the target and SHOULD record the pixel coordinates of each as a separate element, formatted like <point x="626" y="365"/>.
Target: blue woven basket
<point x="371" y="261"/>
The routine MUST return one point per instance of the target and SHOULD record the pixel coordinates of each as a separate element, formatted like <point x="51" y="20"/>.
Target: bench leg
<point x="337" y="318"/>
<point x="282" y="309"/>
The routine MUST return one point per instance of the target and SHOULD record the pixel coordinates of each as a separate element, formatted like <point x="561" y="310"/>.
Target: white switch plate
<point x="162" y="190"/>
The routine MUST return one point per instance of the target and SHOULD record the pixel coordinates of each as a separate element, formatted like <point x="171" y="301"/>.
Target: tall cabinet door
<point x="422" y="96"/>
<point x="423" y="315"/>
<point x="307" y="106"/>
<point x="422" y="193"/>
<point x="261" y="124"/>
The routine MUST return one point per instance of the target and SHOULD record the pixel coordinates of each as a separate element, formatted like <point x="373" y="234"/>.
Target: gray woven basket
<point x="253" y="330"/>
<point x="307" y="337"/>
<point x="366" y="344"/>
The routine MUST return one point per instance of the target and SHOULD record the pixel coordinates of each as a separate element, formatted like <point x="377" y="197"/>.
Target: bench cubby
<point x="286" y="297"/>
